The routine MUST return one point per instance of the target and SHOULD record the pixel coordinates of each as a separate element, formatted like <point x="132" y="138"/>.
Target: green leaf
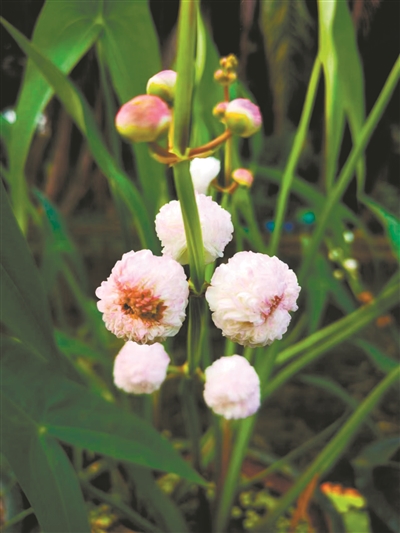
<point x="58" y="246"/>
<point x="344" y="82"/>
<point x="337" y="390"/>
<point x="75" y="347"/>
<point x="376" y="454"/>
<point x="383" y="362"/>
<point x="43" y="470"/>
<point x="207" y="93"/>
<point x="77" y="107"/>
<point x="243" y="204"/>
<point x="26" y="311"/>
<point x="64" y="32"/>
<point x="306" y="192"/>
<point x="158" y="504"/>
<point x="132" y="56"/>
<point x="63" y="409"/>
<point x="390" y="222"/>
<point x="5" y="131"/>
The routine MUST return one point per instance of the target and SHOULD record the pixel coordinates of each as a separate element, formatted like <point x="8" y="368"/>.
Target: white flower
<point x="216" y="227"/>
<point x="140" y="369"/>
<point x="203" y="170"/>
<point x="251" y="297"/>
<point x="145" y="297"/>
<point x="232" y="387"/>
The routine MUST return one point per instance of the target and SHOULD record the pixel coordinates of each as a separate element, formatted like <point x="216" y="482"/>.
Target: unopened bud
<point x="162" y="85"/>
<point x="219" y="110"/>
<point x="243" y="177"/>
<point x="229" y="63"/>
<point x="243" y="117"/>
<point x="143" y="119"/>
<point x="224" y="78"/>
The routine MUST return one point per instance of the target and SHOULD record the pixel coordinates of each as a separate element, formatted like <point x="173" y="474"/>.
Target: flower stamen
<point x="141" y="303"/>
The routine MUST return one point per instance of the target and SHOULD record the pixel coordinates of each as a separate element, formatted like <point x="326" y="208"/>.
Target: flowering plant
<point x="144" y="408"/>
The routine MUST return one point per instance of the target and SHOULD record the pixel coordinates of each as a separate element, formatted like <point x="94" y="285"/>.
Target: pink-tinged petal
<point x="216" y="227"/>
<point x="250" y="298"/>
<point x="145" y="297"/>
<point x="139" y="368"/>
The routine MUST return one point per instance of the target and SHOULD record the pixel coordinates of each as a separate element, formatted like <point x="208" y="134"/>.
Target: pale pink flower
<point x="203" y="170"/>
<point x="145" y="297"/>
<point x="139" y="368"/>
<point x="232" y="387"/>
<point x="251" y="297"/>
<point x="216" y="227"/>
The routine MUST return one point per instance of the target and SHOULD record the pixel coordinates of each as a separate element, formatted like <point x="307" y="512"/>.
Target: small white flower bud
<point x="232" y="387"/>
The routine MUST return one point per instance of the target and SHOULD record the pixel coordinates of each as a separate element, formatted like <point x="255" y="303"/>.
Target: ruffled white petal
<point x="250" y="298"/>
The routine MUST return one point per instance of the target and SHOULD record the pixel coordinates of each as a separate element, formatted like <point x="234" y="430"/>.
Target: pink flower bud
<point x="140" y="369"/>
<point x="243" y="177"/>
<point x="250" y="298"/>
<point x="219" y="110"/>
<point x="232" y="387"/>
<point x="162" y="85"/>
<point x="243" y="117"/>
<point x="143" y="119"/>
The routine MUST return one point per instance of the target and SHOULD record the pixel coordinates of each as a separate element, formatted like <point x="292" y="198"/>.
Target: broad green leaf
<point x="77" y="107"/>
<point x="382" y="361"/>
<point x="64" y="32"/>
<point x="25" y="309"/>
<point x="75" y="347"/>
<point x="390" y="222"/>
<point x="42" y="468"/>
<point x="63" y="409"/>
<point x="344" y="82"/>
<point x="132" y="56"/>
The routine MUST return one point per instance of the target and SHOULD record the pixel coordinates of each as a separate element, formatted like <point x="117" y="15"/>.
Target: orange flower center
<point x="141" y="303"/>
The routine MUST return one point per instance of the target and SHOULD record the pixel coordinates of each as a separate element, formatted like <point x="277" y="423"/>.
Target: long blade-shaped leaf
<point x="25" y="309"/>
<point x="63" y="33"/>
<point x="77" y="107"/>
<point x="343" y="81"/>
<point x="131" y="51"/>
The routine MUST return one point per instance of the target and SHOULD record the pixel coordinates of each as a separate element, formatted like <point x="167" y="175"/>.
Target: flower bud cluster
<point x="226" y="75"/>
<point x="148" y="117"/>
